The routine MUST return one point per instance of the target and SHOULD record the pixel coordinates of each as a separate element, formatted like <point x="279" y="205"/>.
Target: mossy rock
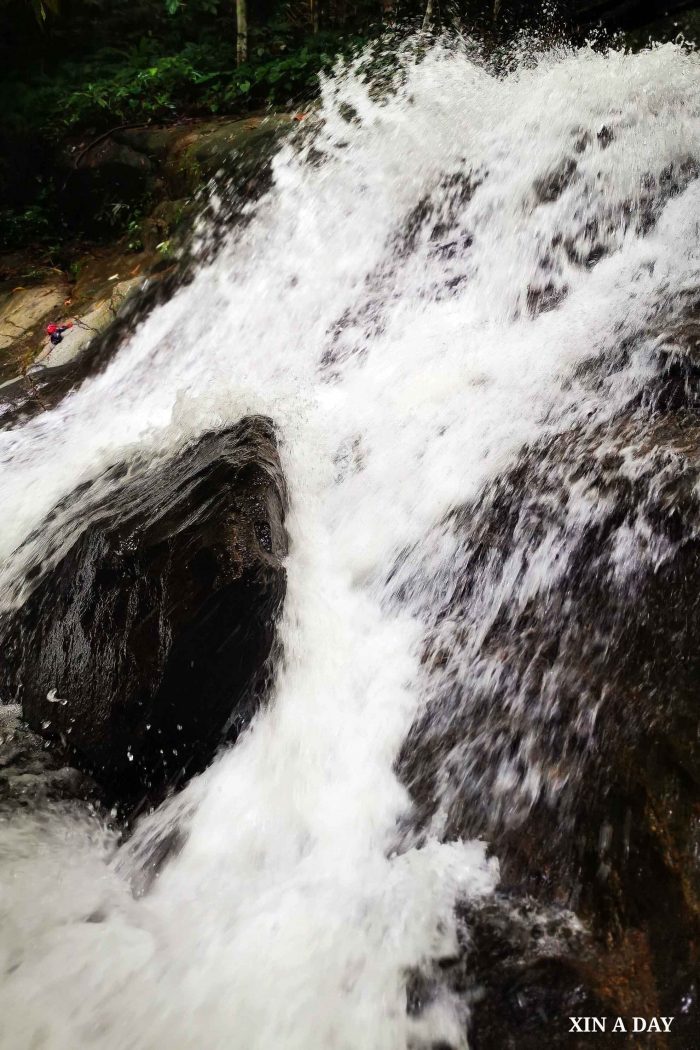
<point x="232" y="148"/>
<point x="168" y="220"/>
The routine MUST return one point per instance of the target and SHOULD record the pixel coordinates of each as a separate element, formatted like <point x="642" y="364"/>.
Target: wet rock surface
<point x="526" y="970"/>
<point x="32" y="772"/>
<point x="147" y="643"/>
<point x="21" y="313"/>
<point x="588" y="697"/>
<point x="87" y="349"/>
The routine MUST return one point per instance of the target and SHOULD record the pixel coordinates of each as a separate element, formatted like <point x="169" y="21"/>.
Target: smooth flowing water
<point x="424" y="293"/>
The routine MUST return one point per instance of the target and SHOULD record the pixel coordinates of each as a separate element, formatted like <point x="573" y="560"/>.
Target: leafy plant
<point x="30" y="225"/>
<point x="42" y="8"/>
<point x="135" y="241"/>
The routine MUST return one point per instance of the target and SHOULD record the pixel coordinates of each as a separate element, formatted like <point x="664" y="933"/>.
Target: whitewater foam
<point x="404" y="373"/>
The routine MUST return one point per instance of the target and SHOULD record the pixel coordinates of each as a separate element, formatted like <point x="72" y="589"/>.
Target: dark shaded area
<point x="148" y="643"/>
<point x="625" y="14"/>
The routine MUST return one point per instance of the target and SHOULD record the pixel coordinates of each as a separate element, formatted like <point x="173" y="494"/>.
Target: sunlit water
<point x="384" y="307"/>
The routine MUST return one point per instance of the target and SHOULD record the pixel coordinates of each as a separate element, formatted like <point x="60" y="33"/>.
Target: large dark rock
<point x="149" y="642"/>
<point x="565" y="661"/>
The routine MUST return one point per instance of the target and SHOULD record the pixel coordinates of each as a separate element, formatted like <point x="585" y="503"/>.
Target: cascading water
<point x="441" y="277"/>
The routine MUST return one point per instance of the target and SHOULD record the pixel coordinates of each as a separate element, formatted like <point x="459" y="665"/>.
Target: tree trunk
<point x="315" y="11"/>
<point x="428" y="16"/>
<point x="241" y="32"/>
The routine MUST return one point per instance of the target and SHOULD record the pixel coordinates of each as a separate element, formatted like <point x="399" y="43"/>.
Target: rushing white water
<point x="381" y="307"/>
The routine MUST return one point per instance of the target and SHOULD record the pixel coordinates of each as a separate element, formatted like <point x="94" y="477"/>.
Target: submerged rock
<point x="147" y="643"/>
<point x="31" y="772"/>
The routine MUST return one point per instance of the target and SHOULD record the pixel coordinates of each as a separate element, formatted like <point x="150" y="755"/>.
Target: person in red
<point x="55" y="331"/>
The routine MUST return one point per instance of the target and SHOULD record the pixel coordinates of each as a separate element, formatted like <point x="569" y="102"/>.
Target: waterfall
<point x="449" y="273"/>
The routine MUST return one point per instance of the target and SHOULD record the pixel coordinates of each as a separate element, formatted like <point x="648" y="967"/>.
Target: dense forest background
<point x="72" y="69"/>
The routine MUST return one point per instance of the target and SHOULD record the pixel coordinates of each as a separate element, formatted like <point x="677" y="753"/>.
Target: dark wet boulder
<point x="149" y="641"/>
<point x="567" y="731"/>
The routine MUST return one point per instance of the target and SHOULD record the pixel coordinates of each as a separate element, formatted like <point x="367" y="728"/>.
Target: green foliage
<point x="135" y="241"/>
<point x="31" y="225"/>
<point x="135" y="92"/>
<point x="41" y="223"/>
<point x="35" y="222"/>
<point x="138" y="86"/>
<point x="208" y="7"/>
<point x="107" y="63"/>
